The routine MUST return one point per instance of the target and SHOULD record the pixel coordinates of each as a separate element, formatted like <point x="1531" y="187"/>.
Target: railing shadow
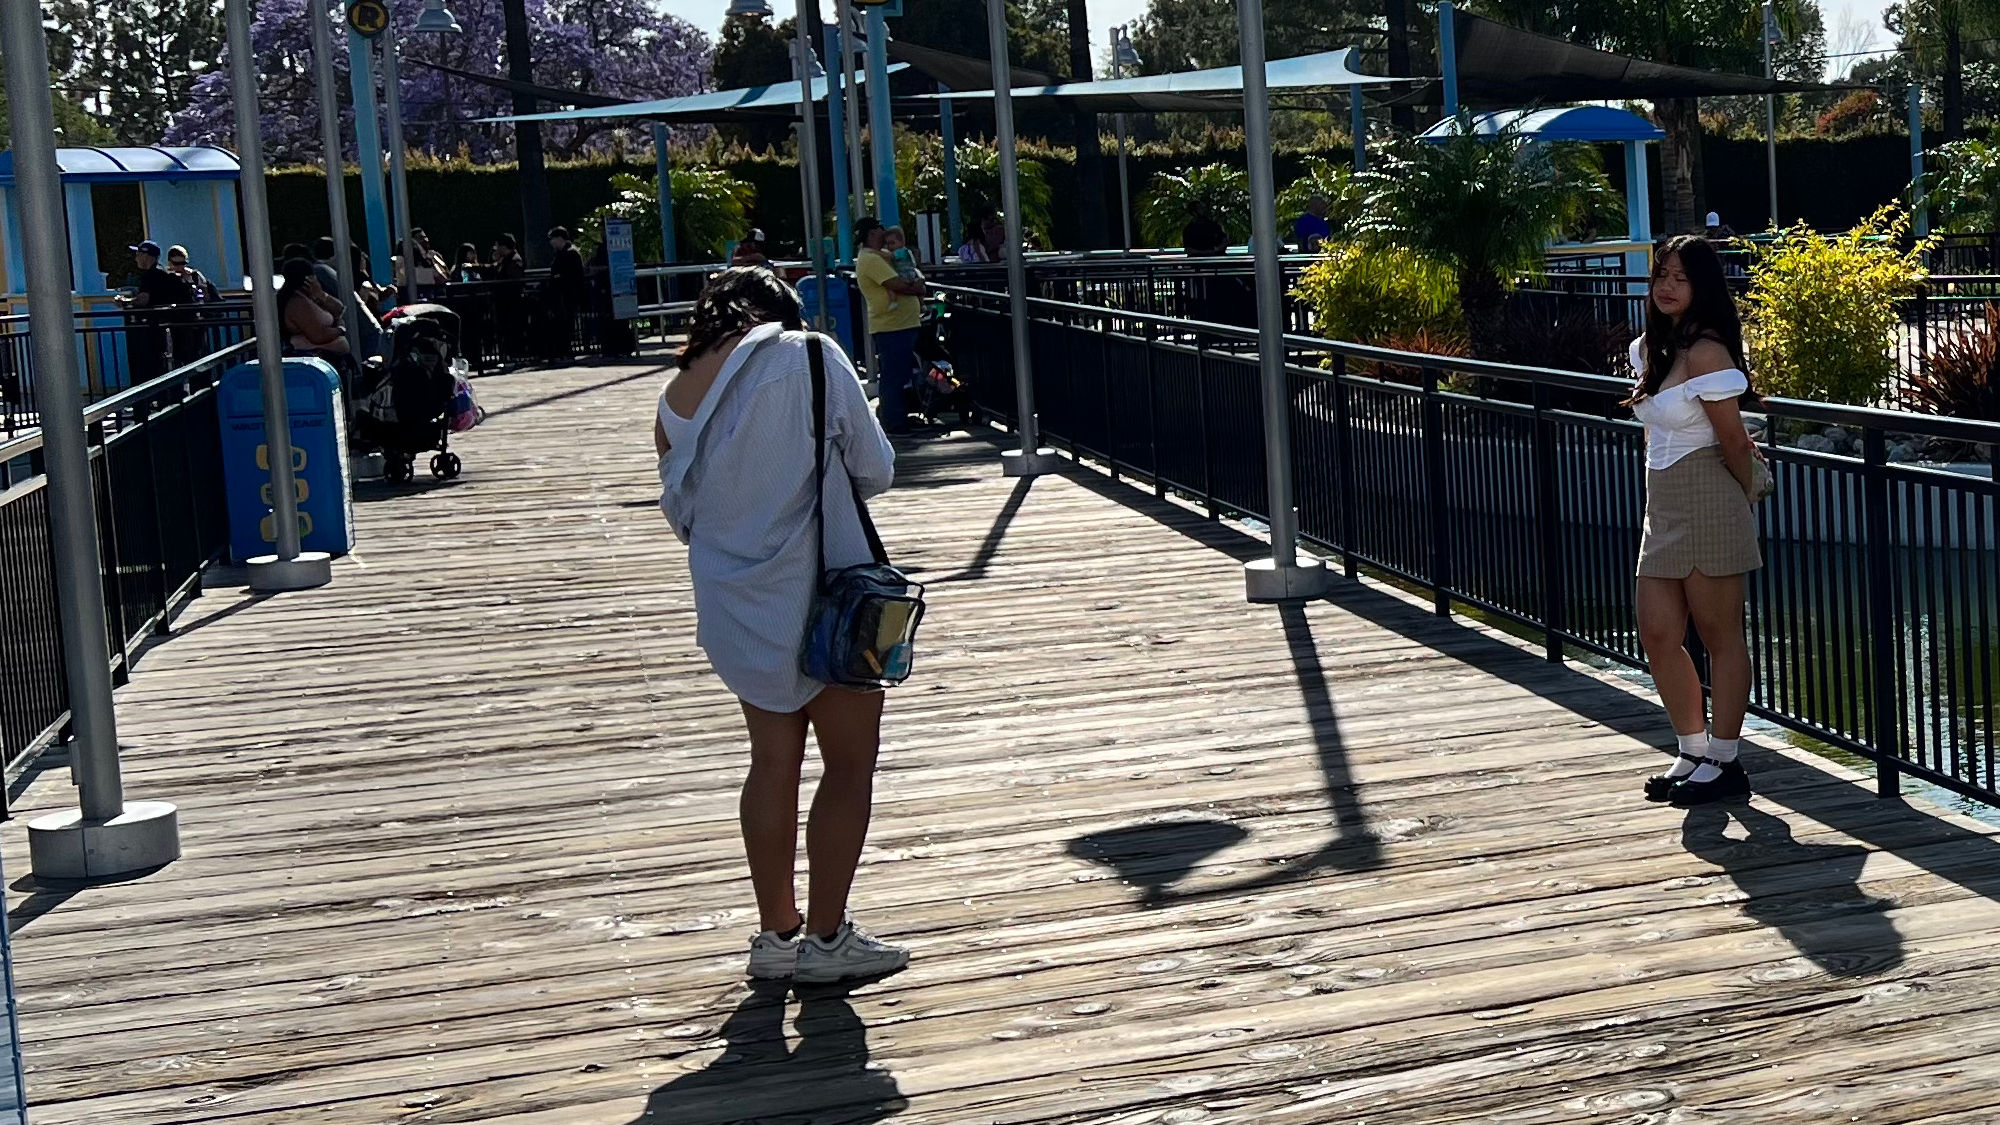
<point x="828" y="1076"/>
<point x="989" y="547"/>
<point x="575" y="392"/>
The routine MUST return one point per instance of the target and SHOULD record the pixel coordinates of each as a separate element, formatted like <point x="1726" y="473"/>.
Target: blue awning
<point x="778" y="99"/>
<point x="135" y="165"/>
<point x="1562" y="123"/>
<point x="1216" y="90"/>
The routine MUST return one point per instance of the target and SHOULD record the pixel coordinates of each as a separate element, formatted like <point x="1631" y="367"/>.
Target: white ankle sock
<point x="1691" y="746"/>
<point x="1720" y="750"/>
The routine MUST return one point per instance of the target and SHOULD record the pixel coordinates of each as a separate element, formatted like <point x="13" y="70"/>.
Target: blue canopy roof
<point x="721" y="105"/>
<point x="133" y="165"/>
<point x="1562" y="123"/>
<point x="1220" y="88"/>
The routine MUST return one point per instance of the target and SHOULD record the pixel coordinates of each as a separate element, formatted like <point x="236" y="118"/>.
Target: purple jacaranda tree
<point x="617" y="48"/>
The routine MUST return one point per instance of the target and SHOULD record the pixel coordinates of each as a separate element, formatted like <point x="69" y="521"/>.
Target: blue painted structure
<point x="319" y="459"/>
<point x="188" y="196"/>
<point x="368" y="147"/>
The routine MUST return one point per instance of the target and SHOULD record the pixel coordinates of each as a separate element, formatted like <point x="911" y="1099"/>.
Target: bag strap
<point x="815" y="351"/>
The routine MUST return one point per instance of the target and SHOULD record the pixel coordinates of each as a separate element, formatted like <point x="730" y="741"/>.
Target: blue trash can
<point x="319" y="460"/>
<point x="841" y="302"/>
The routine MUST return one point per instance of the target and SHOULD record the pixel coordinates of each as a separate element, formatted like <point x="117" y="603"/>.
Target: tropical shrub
<point x="1962" y="186"/>
<point x="1486" y="205"/>
<point x="1321" y="177"/>
<point x="1379" y="294"/>
<point x="711" y="208"/>
<point x="920" y="178"/>
<point x="1961" y="376"/>
<point x="1167" y="205"/>
<point x="1820" y="318"/>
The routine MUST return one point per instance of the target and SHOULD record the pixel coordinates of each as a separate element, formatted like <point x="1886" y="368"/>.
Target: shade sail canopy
<point x="1500" y="65"/>
<point x="1219" y="90"/>
<point x="133" y="165"/>
<point x="1564" y="123"/>
<point x="960" y="72"/>
<point x="779" y="99"/>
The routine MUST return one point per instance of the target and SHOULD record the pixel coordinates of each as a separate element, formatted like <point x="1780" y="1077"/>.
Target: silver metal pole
<point x="327" y="91"/>
<point x="1770" y="118"/>
<point x="287" y="568"/>
<point x="103" y="836"/>
<point x="1031" y="459"/>
<point x="857" y="160"/>
<point x="392" y="105"/>
<point x="1124" y="175"/>
<point x="1284" y="576"/>
<point x="809" y="160"/>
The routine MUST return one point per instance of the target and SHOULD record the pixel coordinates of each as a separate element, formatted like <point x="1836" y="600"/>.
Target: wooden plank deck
<point x="460" y="847"/>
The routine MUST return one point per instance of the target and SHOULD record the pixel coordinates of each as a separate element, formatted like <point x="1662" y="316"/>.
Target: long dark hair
<point x="1711" y="312"/>
<point x="296" y="272"/>
<point x="735" y="301"/>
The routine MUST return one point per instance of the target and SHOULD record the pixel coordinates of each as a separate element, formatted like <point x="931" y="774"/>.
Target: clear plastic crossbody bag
<point x="862" y="630"/>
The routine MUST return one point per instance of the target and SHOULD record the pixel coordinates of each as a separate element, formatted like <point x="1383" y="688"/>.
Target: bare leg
<point x="849" y="727"/>
<point x="1663" y="619"/>
<point x="1716" y="605"/>
<point x="770" y="812"/>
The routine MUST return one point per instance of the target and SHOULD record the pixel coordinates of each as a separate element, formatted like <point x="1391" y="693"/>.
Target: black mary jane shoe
<point x="1660" y="787"/>
<point x="1733" y="783"/>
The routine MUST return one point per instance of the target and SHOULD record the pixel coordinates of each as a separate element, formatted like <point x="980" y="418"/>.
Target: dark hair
<point x="295" y="250"/>
<point x="865" y="226"/>
<point x="736" y="300"/>
<point x="296" y="271"/>
<point x="465" y="248"/>
<point x="507" y="240"/>
<point x="562" y="233"/>
<point x="1711" y="314"/>
<point x="323" y="250"/>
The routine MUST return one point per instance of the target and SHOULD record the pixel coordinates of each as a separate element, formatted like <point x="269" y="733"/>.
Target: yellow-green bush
<point x="1820" y="319"/>
<point x="1368" y="294"/>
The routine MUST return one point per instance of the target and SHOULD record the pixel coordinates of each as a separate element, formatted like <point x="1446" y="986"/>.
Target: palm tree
<point x="1487" y="206"/>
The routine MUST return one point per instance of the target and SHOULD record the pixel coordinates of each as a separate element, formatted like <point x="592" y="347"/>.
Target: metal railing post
<point x="1343" y="459"/>
<point x="1548" y="515"/>
<point x="104" y="836"/>
<point x="1886" y="725"/>
<point x="1434" y="480"/>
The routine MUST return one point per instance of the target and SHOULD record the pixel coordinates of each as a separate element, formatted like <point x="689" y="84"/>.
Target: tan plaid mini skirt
<point x="1697" y="518"/>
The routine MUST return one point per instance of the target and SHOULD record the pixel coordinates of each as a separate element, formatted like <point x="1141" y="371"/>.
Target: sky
<point x="1851" y="25"/>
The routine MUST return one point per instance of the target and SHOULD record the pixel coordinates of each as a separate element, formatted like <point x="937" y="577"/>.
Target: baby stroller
<point x="405" y="405"/>
<point x="940" y="391"/>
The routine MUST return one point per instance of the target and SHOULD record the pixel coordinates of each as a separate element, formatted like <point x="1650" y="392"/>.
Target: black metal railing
<point x="1519" y="492"/>
<point x="156" y="460"/>
<point x="116" y="350"/>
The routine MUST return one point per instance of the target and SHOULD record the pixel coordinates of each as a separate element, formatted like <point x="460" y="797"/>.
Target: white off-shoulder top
<point x="1676" y="424"/>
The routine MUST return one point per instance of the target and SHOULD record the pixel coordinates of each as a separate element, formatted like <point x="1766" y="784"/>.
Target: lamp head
<point x="436" y="19"/>
<point x="750" y="9"/>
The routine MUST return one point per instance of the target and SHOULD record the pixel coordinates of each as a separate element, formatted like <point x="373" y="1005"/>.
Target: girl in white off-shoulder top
<point x="1700" y="534"/>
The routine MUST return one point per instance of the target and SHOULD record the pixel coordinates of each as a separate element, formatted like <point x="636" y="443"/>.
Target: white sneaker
<point x="852" y="953"/>
<point x="773" y="956"/>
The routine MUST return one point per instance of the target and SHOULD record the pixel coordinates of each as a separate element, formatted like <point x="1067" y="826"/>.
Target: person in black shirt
<point x="567" y="291"/>
<point x="1203" y="237"/>
<point x="153" y="290"/>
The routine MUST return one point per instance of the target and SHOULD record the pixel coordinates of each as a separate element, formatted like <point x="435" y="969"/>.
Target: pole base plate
<point x="1022" y="463"/>
<point x="1264" y="581"/>
<point x="270" y="574"/>
<point x="64" y="846"/>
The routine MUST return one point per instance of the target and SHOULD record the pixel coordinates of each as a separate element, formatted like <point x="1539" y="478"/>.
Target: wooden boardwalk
<point x="461" y="847"/>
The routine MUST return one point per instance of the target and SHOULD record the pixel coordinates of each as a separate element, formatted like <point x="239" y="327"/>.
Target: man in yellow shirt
<point x="895" y="313"/>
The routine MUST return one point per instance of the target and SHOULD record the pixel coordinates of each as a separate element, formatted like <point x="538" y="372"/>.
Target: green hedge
<point x="1832" y="184"/>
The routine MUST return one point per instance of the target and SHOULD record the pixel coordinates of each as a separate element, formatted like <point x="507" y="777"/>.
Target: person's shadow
<point x="827" y="1077"/>
<point x="1809" y="892"/>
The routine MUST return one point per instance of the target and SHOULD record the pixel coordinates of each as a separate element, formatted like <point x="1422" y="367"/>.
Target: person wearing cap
<point x="894" y="316"/>
<point x="152" y="288"/>
<point x="750" y="251"/>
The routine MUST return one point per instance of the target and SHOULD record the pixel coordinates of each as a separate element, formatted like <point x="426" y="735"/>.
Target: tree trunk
<point x="1954" y="79"/>
<point x="1089" y="161"/>
<point x="1680" y="120"/>
<point x="1397" y="12"/>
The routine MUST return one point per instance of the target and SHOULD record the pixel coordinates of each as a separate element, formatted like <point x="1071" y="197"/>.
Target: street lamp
<point x="751" y="9"/>
<point x="437" y="20"/>
<point x="1123" y="55"/>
